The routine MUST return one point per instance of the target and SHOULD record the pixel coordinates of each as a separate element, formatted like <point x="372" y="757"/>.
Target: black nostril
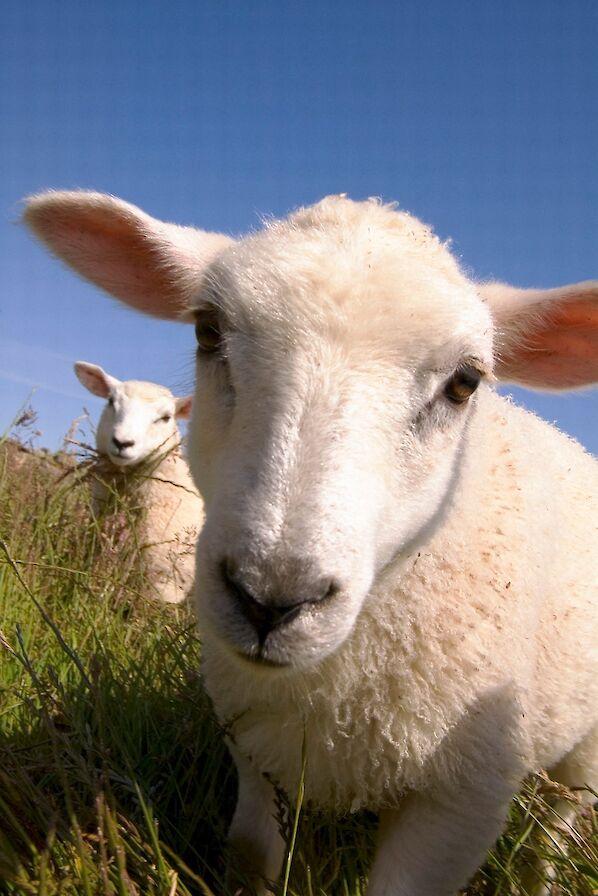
<point x="329" y="588"/>
<point x="262" y="616"/>
<point x="266" y="615"/>
<point x="121" y="445"/>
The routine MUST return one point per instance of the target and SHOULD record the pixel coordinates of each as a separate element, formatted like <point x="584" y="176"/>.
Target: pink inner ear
<point x="183" y="408"/>
<point x="577" y="313"/>
<point x="116" y="253"/>
<point x="95" y="382"/>
<point x="148" y="264"/>
<point x="562" y="353"/>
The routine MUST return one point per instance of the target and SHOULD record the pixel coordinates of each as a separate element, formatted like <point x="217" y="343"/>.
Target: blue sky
<point x="480" y="118"/>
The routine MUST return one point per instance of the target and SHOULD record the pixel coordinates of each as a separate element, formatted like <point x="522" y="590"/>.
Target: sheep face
<point x="138" y="422"/>
<point x="336" y="374"/>
<point x="135" y="426"/>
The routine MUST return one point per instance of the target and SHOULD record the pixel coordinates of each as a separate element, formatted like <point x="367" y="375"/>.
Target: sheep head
<point x="339" y="354"/>
<point x="138" y="421"/>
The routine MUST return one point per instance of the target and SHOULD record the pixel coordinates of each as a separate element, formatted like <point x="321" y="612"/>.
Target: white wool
<point x="167" y="511"/>
<point x="457" y="622"/>
<point x="149" y="477"/>
<point x="430" y="549"/>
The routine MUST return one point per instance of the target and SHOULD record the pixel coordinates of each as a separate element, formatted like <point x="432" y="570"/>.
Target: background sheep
<point x="398" y="566"/>
<point x="140" y="461"/>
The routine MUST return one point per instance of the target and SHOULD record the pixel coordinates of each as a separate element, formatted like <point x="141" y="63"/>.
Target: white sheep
<point x="140" y="461"/>
<point x="398" y="565"/>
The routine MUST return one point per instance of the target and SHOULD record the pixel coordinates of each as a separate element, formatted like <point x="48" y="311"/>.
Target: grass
<point x="114" y="778"/>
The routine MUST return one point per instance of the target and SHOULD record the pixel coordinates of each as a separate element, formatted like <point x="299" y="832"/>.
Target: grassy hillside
<point x="113" y="774"/>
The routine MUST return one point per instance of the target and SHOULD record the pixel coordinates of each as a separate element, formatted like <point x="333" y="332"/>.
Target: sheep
<point x="398" y="564"/>
<point x="140" y="461"/>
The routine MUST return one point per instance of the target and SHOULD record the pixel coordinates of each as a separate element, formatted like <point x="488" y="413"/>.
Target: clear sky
<point x="479" y="117"/>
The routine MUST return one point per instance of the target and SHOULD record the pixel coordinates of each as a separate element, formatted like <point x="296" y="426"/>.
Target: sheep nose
<point x="266" y="614"/>
<point x="120" y="445"/>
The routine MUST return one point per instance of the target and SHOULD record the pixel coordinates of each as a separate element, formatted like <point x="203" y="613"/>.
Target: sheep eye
<point x="207" y="331"/>
<point x="462" y="384"/>
<point x="165" y="418"/>
<point x="111" y="401"/>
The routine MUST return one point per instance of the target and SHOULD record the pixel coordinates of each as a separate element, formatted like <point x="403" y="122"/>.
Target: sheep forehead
<point x="361" y="265"/>
<point x="146" y="393"/>
<point x="370" y="234"/>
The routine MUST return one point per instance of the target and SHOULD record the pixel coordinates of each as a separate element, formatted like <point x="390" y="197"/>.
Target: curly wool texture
<point x="164" y="514"/>
<point x="141" y="483"/>
<point x="397" y="570"/>
<point x="495" y="612"/>
<point x="492" y="616"/>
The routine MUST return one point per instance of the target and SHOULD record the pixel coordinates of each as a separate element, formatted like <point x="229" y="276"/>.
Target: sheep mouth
<point x="256" y="635"/>
<point x="258" y="659"/>
<point x="122" y="460"/>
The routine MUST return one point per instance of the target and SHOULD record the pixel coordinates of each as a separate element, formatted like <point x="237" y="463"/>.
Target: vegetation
<point x="114" y="777"/>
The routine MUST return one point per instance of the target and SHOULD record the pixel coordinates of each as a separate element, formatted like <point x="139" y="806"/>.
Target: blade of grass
<point x="45" y="616"/>
<point x="298" y="806"/>
<point x="152" y="832"/>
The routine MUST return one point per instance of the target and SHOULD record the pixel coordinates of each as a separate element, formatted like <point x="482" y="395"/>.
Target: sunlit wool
<point x="442" y="554"/>
<point x="140" y="466"/>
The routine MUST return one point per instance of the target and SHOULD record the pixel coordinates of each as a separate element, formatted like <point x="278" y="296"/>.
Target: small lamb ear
<point x="183" y="407"/>
<point x="153" y="266"/>
<point x="95" y="379"/>
<point x="546" y="338"/>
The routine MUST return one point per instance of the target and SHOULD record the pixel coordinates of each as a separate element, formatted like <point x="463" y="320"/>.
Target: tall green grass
<point x="114" y="778"/>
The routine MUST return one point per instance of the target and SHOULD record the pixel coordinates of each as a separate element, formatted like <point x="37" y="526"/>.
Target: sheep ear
<point x="153" y="266"/>
<point x="183" y="407"/>
<point x="95" y="379"/>
<point x="546" y="339"/>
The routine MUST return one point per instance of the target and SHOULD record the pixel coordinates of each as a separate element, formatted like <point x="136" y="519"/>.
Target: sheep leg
<point x="538" y="877"/>
<point x="432" y="845"/>
<point x="435" y="839"/>
<point x="255" y="842"/>
<point x="578" y="769"/>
